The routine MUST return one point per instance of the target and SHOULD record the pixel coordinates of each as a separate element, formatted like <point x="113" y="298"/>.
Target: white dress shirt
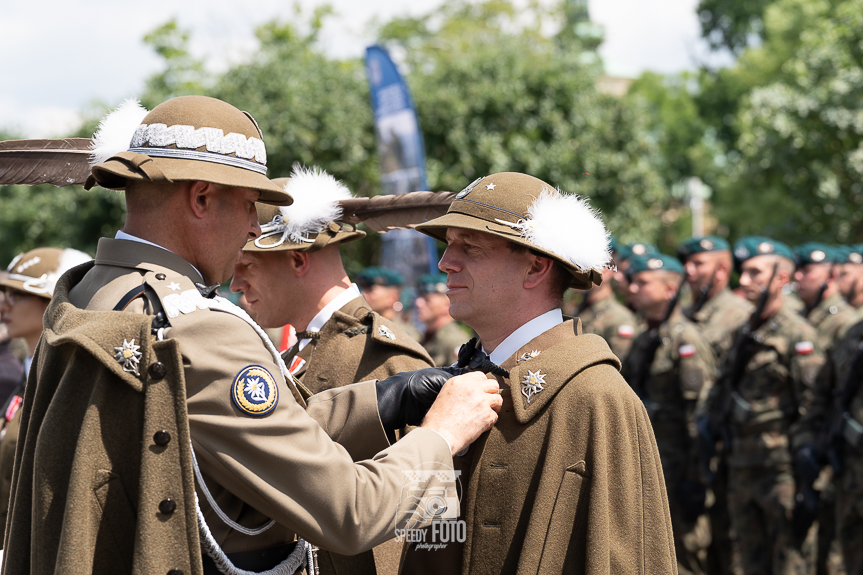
<point x="524" y="334"/>
<point x="325" y="314"/>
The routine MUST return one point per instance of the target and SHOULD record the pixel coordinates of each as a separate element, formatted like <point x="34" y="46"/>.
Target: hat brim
<point x="115" y="172"/>
<point x="6" y="282"/>
<point x="267" y="244"/>
<point x="437" y="228"/>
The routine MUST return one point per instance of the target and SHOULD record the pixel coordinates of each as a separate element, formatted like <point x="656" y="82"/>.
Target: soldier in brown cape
<point x="293" y="274"/>
<point x="671" y="367"/>
<point x="569" y="480"/>
<point x="600" y="313"/>
<point x="718" y="313"/>
<point x="27" y="285"/>
<point x="759" y="406"/>
<point x="163" y="412"/>
<point x="443" y="335"/>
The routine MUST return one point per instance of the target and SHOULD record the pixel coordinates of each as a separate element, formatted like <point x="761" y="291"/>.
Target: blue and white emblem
<point x="254" y="390"/>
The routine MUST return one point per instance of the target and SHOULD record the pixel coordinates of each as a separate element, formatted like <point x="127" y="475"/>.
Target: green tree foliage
<point x="496" y="95"/>
<point x="183" y="75"/>
<point x="731" y="24"/>
<point x="800" y="135"/>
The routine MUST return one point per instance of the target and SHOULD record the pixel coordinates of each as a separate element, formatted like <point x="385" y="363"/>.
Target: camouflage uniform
<point x="777" y="386"/>
<point x="611" y="320"/>
<point x="832" y="318"/>
<point x="849" y="481"/>
<point x="718" y="320"/>
<point x="683" y="370"/>
<point x="443" y="345"/>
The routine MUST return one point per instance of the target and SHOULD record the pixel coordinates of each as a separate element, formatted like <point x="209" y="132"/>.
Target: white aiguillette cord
<point x="303" y="553"/>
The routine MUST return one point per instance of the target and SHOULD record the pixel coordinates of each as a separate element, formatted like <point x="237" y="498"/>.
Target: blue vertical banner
<point x="403" y="163"/>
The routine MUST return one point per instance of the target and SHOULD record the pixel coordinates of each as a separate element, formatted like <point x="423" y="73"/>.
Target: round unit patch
<point x="254" y="390"/>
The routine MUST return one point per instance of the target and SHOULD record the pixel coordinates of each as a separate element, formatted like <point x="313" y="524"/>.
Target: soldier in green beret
<point x="162" y="431"/>
<point x="671" y="367"/>
<point x="562" y="482"/>
<point x="850" y="278"/>
<point x="767" y="382"/>
<point x="382" y="288"/>
<point x="443" y="335"/>
<point x="718" y="313"/>
<point x="602" y="314"/>
<point x="621" y="259"/>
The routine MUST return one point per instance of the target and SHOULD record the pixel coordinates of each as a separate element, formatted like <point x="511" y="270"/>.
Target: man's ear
<point x="539" y="269"/>
<point x="300" y="262"/>
<point x="201" y="196"/>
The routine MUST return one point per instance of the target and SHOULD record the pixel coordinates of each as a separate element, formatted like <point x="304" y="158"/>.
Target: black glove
<point x="404" y="398"/>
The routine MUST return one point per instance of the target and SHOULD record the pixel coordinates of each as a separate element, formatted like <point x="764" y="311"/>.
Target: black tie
<point x="472" y="357"/>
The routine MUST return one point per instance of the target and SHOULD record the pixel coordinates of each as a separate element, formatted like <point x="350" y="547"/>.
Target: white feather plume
<point x="567" y="226"/>
<point x="316" y="202"/>
<point x="116" y="130"/>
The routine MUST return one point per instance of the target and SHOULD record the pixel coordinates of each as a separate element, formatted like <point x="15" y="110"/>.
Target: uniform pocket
<point x="568" y="524"/>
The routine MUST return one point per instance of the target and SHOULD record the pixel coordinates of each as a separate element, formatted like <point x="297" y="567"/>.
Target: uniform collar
<point x="323" y="316"/>
<point x="524" y="334"/>
<point x="121" y="235"/>
<point x="143" y="255"/>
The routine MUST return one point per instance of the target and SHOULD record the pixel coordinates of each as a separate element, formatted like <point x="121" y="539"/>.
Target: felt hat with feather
<point x="38" y="270"/>
<point x="531" y="213"/>
<point x="189" y="138"/>
<point x="312" y="221"/>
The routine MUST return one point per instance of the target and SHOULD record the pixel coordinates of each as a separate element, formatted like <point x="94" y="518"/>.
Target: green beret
<point x="654" y="262"/>
<point x="701" y="244"/>
<point x="816" y="253"/>
<point x="614" y="244"/>
<point x="636" y="249"/>
<point x="379" y="276"/>
<point x="751" y="246"/>
<point x="849" y="254"/>
<point x="432" y="283"/>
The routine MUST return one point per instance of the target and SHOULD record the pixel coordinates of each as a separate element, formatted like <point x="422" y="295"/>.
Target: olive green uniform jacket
<point x="444" y="344"/>
<point x="570" y="482"/>
<point x="357" y="344"/>
<point x="88" y="489"/>
<point x="613" y="321"/>
<point x="719" y="319"/>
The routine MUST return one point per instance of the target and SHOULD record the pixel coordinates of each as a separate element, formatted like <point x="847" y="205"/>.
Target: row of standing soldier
<point x="755" y="400"/>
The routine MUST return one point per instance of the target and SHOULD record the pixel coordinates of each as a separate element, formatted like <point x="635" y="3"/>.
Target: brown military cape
<point x="354" y="347"/>
<point x="568" y="483"/>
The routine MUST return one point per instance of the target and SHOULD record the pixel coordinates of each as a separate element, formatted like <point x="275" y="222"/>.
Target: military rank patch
<point x="687" y="350"/>
<point x="804" y="347"/>
<point x="625" y="330"/>
<point x="254" y="390"/>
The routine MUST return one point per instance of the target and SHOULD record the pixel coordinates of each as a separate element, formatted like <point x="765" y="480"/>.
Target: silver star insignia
<point x="129" y="356"/>
<point x="174" y="286"/>
<point x="490" y="187"/>
<point x="532" y="384"/>
<point x="528" y="355"/>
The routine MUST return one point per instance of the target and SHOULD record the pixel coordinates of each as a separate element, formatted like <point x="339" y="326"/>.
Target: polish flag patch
<point x="687" y="350"/>
<point x="296" y="364"/>
<point x="12" y="409"/>
<point x="804" y="347"/>
<point x="625" y="330"/>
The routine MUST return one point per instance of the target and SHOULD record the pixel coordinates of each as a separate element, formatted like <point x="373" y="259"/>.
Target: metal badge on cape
<point x="254" y="390"/>
<point x="128" y="355"/>
<point x="532" y="383"/>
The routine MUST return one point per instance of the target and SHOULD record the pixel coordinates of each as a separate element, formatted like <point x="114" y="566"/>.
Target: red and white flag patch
<point x="625" y="330"/>
<point x="296" y="364"/>
<point x="687" y="350"/>
<point x="804" y="347"/>
<point x="12" y="409"/>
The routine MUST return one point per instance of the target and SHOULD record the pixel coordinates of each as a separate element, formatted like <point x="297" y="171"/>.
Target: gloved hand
<point x="807" y="466"/>
<point x="404" y="398"/>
